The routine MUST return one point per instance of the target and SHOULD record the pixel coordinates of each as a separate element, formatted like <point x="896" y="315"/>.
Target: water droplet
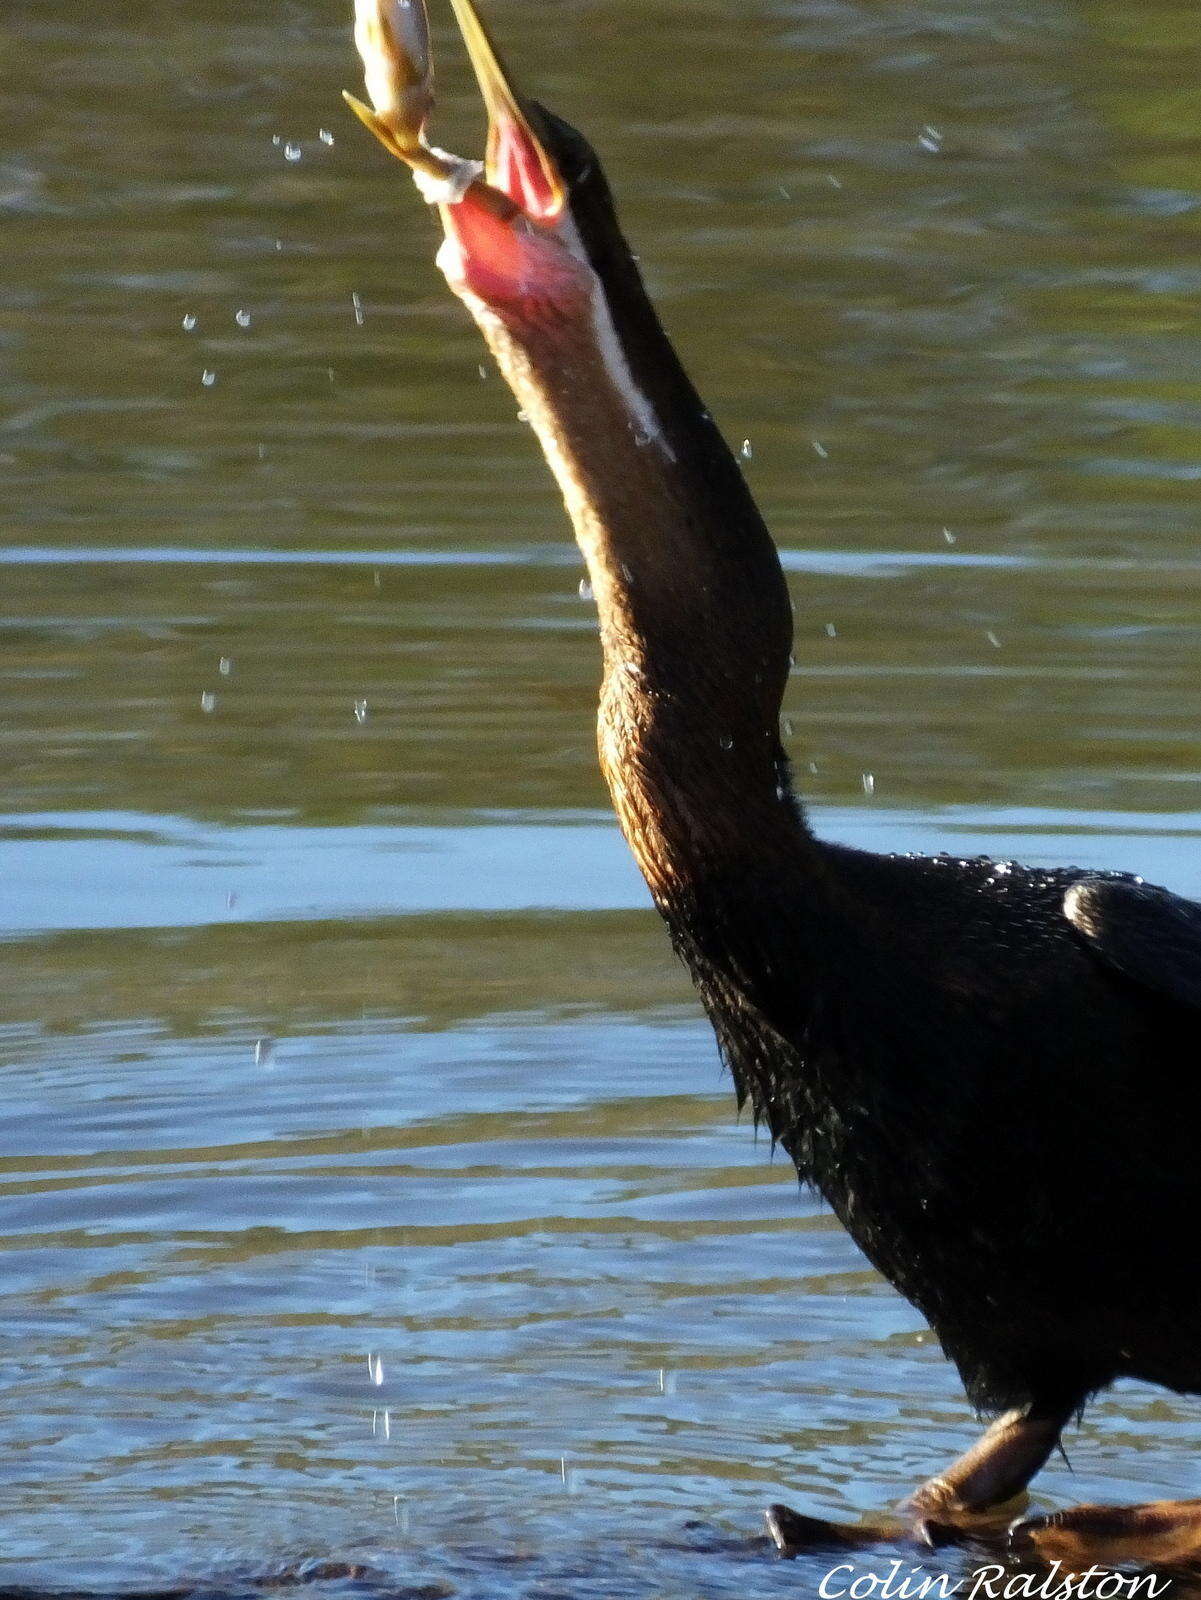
<point x="726" y="742"/>
<point x="992" y="639"/>
<point x="949" y="536"/>
<point x="325" y="136"/>
<point x="277" y="139"/>
<point x="356" y="301"/>
<point x="292" y="152"/>
<point x="375" y="1369"/>
<point x="820" y="450"/>
<point x="784" y="194"/>
<point x="242" y="317"/>
<point x="377" y="581"/>
<point x="208" y="377"/>
<point x="208" y="701"/>
<point x="189" y="321"/>
<point x="930" y="139"/>
<point x="264" y="1049"/>
<point x="746" y="452"/>
<point x="586" y="590"/>
<point x="869" y="783"/>
<point x="483" y="372"/>
<point x="831" y="631"/>
<point x="225" y="666"/>
<point x="360" y="711"/>
<point x="835" y="183"/>
<point x="523" y="416"/>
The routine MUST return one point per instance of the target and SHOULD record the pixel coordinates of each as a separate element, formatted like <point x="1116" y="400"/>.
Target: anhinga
<point x="990" y="1072"/>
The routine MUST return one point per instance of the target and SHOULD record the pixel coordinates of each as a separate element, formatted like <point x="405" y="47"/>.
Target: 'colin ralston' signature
<point x="989" y="1583"/>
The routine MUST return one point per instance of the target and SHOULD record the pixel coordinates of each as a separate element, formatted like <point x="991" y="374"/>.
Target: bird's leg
<point x="1165" y="1533"/>
<point x="955" y="1505"/>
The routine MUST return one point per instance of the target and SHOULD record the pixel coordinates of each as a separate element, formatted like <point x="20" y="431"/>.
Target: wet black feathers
<point x="955" y="1054"/>
<point x="1147" y="934"/>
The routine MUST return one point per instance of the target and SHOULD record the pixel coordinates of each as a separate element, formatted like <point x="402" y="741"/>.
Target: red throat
<point x="512" y="262"/>
<point x="514" y="166"/>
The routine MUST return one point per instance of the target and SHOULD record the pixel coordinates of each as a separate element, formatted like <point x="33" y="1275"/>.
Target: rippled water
<point x="369" y="1190"/>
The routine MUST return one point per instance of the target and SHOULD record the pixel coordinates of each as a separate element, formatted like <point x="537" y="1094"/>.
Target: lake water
<point x="369" y="1188"/>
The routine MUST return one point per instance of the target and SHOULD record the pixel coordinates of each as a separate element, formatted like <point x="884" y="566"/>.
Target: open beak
<point x="393" y="39"/>
<point x="516" y="161"/>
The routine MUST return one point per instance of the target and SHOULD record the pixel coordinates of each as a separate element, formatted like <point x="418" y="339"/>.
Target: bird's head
<point x="532" y="228"/>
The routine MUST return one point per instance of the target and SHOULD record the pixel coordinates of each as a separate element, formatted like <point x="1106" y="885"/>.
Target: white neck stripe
<point x="644" y="420"/>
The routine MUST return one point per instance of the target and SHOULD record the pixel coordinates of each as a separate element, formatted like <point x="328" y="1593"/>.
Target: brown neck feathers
<point x="695" y="621"/>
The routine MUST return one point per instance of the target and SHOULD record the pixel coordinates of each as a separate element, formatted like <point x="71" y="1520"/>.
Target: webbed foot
<point x="1165" y="1533"/>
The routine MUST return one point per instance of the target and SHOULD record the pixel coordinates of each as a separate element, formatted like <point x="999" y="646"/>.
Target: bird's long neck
<point x="695" y="620"/>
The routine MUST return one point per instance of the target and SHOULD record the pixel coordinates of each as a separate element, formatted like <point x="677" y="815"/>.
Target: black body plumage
<point x="1004" y="1120"/>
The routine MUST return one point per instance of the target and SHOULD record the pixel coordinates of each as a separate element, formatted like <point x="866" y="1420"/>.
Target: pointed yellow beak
<point x="508" y="126"/>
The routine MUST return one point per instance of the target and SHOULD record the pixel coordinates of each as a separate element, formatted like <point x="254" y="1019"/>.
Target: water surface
<point x="369" y="1189"/>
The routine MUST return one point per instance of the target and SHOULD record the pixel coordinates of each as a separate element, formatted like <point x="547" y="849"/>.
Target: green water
<point x="368" y="1185"/>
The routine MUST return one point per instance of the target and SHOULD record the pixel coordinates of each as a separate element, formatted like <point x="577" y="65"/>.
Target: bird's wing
<point x="1145" y="933"/>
